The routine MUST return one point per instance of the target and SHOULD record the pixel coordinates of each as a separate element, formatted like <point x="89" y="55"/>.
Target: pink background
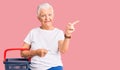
<point x="95" y="45"/>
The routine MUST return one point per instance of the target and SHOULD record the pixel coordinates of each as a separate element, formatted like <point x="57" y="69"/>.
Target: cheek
<point x="41" y="19"/>
<point x="51" y="18"/>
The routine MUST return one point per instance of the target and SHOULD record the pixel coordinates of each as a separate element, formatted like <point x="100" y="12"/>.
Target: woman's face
<point x="46" y="16"/>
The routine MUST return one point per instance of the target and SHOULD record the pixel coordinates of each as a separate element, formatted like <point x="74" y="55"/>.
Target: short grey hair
<point x="43" y="6"/>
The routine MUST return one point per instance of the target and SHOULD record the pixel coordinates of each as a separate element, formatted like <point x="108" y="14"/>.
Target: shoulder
<point x="34" y="29"/>
<point x="59" y="30"/>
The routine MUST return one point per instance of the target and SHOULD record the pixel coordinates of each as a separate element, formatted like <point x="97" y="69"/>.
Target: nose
<point x="47" y="18"/>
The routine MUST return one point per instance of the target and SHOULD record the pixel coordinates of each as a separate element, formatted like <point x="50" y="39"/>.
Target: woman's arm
<point x="27" y="53"/>
<point x="30" y="53"/>
<point x="64" y="44"/>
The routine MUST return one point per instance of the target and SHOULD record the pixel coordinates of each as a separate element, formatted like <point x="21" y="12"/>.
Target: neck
<point x="47" y="27"/>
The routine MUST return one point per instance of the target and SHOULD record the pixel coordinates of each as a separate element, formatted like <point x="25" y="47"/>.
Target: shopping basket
<point x="16" y="63"/>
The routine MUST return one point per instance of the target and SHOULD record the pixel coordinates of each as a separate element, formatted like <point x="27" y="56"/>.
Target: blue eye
<point x="50" y="14"/>
<point x="42" y="15"/>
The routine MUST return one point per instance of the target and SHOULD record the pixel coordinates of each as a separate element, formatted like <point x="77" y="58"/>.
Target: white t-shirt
<point x="47" y="39"/>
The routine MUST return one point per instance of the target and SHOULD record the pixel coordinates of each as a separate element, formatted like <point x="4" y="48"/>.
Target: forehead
<point x="48" y="10"/>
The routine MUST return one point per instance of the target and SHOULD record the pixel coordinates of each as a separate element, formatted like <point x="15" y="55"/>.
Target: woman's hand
<point x="41" y="52"/>
<point x="70" y="28"/>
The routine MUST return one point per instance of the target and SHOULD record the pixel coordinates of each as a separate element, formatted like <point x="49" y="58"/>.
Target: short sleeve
<point x="28" y="38"/>
<point x="61" y="35"/>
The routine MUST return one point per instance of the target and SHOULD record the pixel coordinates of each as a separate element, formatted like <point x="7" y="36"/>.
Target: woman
<point x="47" y="42"/>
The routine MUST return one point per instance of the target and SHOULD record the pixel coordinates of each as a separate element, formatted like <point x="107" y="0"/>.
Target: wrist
<point x="37" y="52"/>
<point x="33" y="52"/>
<point x="67" y="36"/>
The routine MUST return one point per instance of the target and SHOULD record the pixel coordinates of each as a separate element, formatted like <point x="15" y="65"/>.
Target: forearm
<point x="28" y="53"/>
<point x="65" y="46"/>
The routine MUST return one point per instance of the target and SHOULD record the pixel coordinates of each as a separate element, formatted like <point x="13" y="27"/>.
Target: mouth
<point x="47" y="21"/>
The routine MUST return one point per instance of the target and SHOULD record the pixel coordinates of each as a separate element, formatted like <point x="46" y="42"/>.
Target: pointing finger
<point x="75" y="22"/>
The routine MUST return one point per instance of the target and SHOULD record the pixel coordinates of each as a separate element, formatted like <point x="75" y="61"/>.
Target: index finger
<point x="75" y="22"/>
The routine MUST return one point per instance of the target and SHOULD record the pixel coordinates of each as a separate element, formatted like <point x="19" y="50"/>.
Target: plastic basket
<point x="16" y="63"/>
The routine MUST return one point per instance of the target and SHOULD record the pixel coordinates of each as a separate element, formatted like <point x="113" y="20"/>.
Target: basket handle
<point x="5" y="52"/>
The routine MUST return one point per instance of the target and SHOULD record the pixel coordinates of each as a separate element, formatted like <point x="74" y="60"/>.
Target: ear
<point x="38" y="18"/>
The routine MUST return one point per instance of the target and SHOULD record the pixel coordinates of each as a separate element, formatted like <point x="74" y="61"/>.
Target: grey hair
<point x="43" y="6"/>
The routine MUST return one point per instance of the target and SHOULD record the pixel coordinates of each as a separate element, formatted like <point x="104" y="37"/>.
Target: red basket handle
<point x="5" y="52"/>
